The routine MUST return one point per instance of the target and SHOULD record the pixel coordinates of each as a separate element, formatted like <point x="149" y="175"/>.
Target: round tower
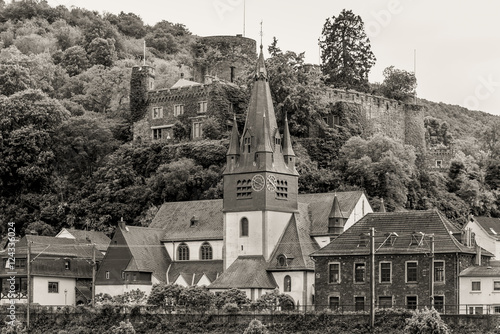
<point x="141" y="82"/>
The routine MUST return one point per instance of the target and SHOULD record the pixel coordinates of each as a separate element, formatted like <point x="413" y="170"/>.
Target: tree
<point x="398" y="84"/>
<point x="14" y="78"/>
<point x="231" y="296"/>
<point x="102" y="52"/>
<point x="163" y="294"/>
<point x="197" y="298"/>
<point x="426" y="322"/>
<point x="346" y="52"/>
<point x="74" y="60"/>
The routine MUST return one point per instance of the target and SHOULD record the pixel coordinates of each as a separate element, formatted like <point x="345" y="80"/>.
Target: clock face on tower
<point x="271" y="183"/>
<point x="258" y="182"/>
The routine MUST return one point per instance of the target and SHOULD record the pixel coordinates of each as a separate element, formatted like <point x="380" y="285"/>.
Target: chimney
<point x="121" y="224"/>
<point x="478" y="255"/>
<point x="182" y="75"/>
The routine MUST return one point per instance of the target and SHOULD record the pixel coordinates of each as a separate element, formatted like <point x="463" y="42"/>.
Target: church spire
<point x="382" y="206"/>
<point x="234" y="144"/>
<point x="288" y="153"/>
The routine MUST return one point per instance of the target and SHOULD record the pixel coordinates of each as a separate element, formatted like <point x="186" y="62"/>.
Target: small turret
<point x="141" y="81"/>
<point x="233" y="153"/>
<point x="288" y="153"/>
<point x="382" y="206"/>
<point x="336" y="220"/>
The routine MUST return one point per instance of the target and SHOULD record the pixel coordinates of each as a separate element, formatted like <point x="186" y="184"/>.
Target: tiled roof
<point x="100" y="239"/>
<point x="295" y="243"/>
<point x="55" y="267"/>
<point x="52" y="246"/>
<point x="188" y="269"/>
<point x="175" y="219"/>
<point x="185" y="83"/>
<point x="490" y="225"/>
<point x="404" y="224"/>
<point x="320" y="206"/>
<point x="244" y="273"/>
<point x="148" y="253"/>
<point x="481" y="271"/>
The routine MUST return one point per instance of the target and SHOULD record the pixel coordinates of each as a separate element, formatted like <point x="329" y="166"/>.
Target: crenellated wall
<point x="400" y="121"/>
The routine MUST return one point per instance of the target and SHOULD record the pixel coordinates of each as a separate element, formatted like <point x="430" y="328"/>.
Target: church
<point x="258" y="238"/>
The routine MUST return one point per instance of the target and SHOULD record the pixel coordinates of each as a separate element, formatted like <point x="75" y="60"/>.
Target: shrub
<point x="426" y="322"/>
<point x="231" y="308"/>
<point x="123" y="328"/>
<point x="17" y="328"/>
<point x="256" y="327"/>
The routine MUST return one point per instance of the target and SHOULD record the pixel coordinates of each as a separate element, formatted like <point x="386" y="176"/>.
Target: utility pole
<point x="372" y="277"/>
<point x="28" y="269"/>
<point x="93" y="274"/>
<point x="432" y="272"/>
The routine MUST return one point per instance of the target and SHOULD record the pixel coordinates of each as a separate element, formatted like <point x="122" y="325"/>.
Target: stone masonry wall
<point x="347" y="290"/>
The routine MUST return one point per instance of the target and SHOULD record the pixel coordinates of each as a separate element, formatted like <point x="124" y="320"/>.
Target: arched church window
<point x="287" y="284"/>
<point x="244" y="227"/>
<point x="183" y="252"/>
<point x="206" y="251"/>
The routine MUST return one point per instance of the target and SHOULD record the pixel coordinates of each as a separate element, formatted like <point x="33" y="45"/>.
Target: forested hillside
<point x="65" y="130"/>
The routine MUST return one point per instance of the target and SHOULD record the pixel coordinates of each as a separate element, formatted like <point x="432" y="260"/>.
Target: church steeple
<point x="262" y="174"/>
<point x="336" y="219"/>
<point x="233" y="153"/>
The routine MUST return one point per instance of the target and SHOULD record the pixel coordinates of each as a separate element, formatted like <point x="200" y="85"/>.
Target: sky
<point x="456" y="43"/>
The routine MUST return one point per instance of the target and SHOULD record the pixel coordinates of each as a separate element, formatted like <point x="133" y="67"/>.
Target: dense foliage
<point x="65" y="125"/>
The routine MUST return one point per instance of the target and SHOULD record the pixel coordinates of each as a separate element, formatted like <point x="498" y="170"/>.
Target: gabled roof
<point x="490" y="225"/>
<point x="175" y="219"/>
<point x="55" y="267"/>
<point x="148" y="253"/>
<point x="321" y="204"/>
<point x="188" y="269"/>
<point x="185" y="83"/>
<point x="246" y="272"/>
<point x="100" y="239"/>
<point x="295" y="243"/>
<point x="405" y="225"/>
<point x="52" y="246"/>
<point x="481" y="271"/>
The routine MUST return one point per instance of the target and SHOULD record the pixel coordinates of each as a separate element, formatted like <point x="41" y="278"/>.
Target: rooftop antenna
<point x="415" y="73"/>
<point x="244" y="15"/>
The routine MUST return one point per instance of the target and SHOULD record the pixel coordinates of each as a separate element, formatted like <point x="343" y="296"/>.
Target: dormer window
<point x="66" y="264"/>
<point x="363" y="240"/>
<point x="417" y="239"/>
<point x="247" y="142"/>
<point x="193" y="222"/>
<point x="390" y="239"/>
<point x="282" y="261"/>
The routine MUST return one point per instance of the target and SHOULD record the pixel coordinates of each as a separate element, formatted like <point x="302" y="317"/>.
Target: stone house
<point x="409" y="268"/>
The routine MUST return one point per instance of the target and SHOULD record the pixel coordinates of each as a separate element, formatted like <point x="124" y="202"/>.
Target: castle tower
<point x="260" y="180"/>
<point x="141" y="81"/>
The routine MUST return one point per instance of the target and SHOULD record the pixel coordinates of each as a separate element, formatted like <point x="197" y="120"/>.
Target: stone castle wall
<point x="400" y="121"/>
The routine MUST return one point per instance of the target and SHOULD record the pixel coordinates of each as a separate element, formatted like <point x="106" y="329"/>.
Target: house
<point x="99" y="239"/>
<point x="418" y="255"/>
<point x="260" y="235"/>
<point x="485" y="231"/>
<point x="61" y="271"/>
<point x="136" y="259"/>
<point x="480" y="289"/>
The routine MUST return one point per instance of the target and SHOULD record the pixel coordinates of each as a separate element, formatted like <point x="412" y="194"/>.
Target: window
<point x="20" y="263"/>
<point x="438" y="271"/>
<point x="496" y="309"/>
<point x="359" y="272"/>
<point x="123" y="274"/>
<point x="206" y="251"/>
<point x="334" y="302"/>
<point x="202" y="107"/>
<point x="385" y="301"/>
<point x="66" y="264"/>
<point x="334" y="273"/>
<point x="439" y="163"/>
<point x="479" y="310"/>
<point x="476" y="286"/>
<point x="363" y="240"/>
<point x="244" y="227"/>
<point x="197" y="130"/>
<point x="390" y="239"/>
<point x="496" y="286"/>
<point x="157" y="113"/>
<point x="439" y="303"/>
<point x="53" y="287"/>
<point x="336" y="120"/>
<point x="134" y="276"/>
<point x="156" y="134"/>
<point x="107" y="274"/>
<point x="411" y="272"/>
<point x="411" y="302"/>
<point x="20" y="285"/>
<point x="178" y="109"/>
<point x="416" y="239"/>
<point x="247" y="142"/>
<point x="183" y="252"/>
<point x="385" y="272"/>
<point x="282" y="261"/>
<point x="359" y="303"/>
<point x="287" y="284"/>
